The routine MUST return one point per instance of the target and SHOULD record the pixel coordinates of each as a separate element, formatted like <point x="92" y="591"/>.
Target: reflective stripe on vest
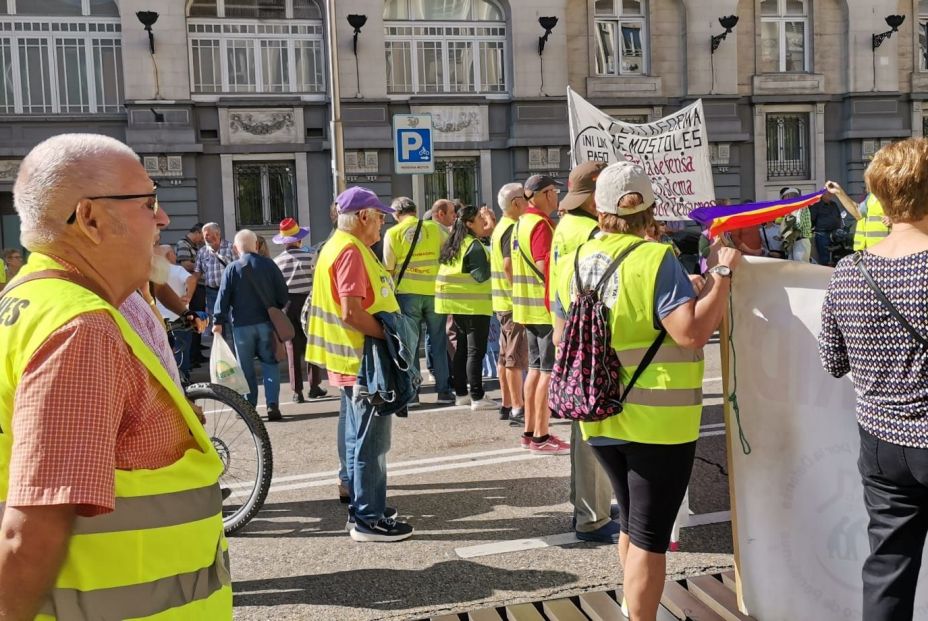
<point x="499" y="283"/>
<point x="419" y="277"/>
<point x="126" y="564"/>
<point x="870" y="229"/>
<point x="457" y="292"/>
<point x="571" y="232"/>
<point x="138" y="601"/>
<point x="528" y="290"/>
<point x="665" y="405"/>
<point x="331" y="343"/>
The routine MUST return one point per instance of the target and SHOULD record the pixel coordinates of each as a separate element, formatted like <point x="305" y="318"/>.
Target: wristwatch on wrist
<point x="722" y="270"/>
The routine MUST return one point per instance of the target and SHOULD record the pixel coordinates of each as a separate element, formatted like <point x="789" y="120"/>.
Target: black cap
<point x="196" y="228"/>
<point x="540" y="182"/>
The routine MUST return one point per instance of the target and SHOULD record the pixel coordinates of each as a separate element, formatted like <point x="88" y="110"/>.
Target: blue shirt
<point x="239" y="299"/>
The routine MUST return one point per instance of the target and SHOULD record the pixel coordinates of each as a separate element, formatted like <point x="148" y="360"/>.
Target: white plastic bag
<point x="224" y="369"/>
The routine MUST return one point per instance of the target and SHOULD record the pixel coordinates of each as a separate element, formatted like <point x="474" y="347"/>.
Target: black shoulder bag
<point x="412" y="248"/>
<point x="862" y="268"/>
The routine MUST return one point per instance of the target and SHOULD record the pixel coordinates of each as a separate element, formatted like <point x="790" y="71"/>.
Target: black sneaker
<point x="445" y="398"/>
<point x="504" y="412"/>
<point x="389" y="513"/>
<point x="316" y="392"/>
<point x="298" y="397"/>
<point x="273" y="412"/>
<point x="517" y="420"/>
<point x="383" y="530"/>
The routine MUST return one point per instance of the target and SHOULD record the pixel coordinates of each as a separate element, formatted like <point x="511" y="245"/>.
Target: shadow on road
<point x="439" y="512"/>
<point x="392" y="589"/>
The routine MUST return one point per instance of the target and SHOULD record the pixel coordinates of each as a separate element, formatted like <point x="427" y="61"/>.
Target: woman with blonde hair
<point x="874" y="326"/>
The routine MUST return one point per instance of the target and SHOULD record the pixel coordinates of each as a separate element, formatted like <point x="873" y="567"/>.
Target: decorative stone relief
<point x="457" y="123"/>
<point x="164" y="165"/>
<point x="261" y="125"/>
<point x="544" y="158"/>
<point x="8" y="170"/>
<point x="361" y="163"/>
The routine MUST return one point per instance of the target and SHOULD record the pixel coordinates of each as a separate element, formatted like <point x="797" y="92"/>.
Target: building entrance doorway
<point x="455" y="178"/>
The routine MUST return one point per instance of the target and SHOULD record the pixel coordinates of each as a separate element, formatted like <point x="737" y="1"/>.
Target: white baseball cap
<point x="617" y="180"/>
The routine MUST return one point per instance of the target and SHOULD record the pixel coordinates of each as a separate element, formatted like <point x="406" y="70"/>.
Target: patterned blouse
<point x="888" y="367"/>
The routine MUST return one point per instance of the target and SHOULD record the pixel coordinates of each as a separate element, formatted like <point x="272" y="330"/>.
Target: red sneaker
<point x="551" y="446"/>
<point x="525" y="443"/>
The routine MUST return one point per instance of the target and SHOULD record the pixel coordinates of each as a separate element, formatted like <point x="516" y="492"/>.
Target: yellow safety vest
<point x="2" y="272"/>
<point x="528" y="290"/>
<point x="161" y="553"/>
<point x="870" y="229"/>
<point x="456" y="292"/>
<point x="571" y="232"/>
<point x="665" y="404"/>
<point x="420" y="274"/>
<point x="499" y="284"/>
<point x="331" y="342"/>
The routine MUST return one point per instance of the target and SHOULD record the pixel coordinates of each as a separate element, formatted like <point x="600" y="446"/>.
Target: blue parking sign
<point x="412" y="144"/>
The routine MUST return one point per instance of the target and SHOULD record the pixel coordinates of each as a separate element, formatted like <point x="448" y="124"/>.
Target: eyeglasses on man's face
<point x="151" y="203"/>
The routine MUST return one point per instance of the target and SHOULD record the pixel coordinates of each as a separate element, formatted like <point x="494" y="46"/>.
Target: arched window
<point x="784" y="36"/>
<point x="60" y="57"/>
<point x="256" y="46"/>
<point x="620" y="37"/>
<point x="445" y="46"/>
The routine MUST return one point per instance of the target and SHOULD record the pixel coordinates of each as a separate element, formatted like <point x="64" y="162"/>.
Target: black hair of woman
<point x="459" y="232"/>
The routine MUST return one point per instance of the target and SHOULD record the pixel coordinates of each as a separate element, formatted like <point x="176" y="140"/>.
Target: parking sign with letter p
<point x="412" y="144"/>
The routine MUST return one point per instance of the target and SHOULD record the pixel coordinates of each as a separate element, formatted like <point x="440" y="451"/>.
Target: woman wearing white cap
<point x="648" y="448"/>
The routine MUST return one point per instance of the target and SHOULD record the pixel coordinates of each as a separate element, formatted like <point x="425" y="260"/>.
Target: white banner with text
<point x="673" y="151"/>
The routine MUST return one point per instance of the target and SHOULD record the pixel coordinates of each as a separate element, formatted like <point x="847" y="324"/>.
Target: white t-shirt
<point x="177" y="281"/>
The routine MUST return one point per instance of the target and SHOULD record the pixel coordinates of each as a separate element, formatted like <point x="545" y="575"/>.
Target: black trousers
<point x="895" y="480"/>
<point x="296" y="348"/>
<point x="467" y="365"/>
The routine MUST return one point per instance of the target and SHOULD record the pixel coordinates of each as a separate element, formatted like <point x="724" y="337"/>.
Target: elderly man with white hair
<point x="103" y="463"/>
<point x="212" y="259"/>
<point x="248" y="286"/>
<point x="351" y="286"/>
<point x="513" y="346"/>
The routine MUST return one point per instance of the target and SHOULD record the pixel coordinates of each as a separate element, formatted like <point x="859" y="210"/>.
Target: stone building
<point x="228" y="100"/>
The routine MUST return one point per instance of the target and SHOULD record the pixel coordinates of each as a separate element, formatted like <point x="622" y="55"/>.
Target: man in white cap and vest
<point x="108" y="482"/>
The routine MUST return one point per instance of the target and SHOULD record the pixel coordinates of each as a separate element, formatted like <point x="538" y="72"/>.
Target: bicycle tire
<point x="233" y="520"/>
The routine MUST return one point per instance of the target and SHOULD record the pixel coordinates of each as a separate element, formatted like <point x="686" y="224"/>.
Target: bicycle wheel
<point x="243" y="445"/>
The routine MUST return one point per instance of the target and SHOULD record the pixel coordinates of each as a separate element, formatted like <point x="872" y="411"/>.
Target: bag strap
<point x="615" y="265"/>
<point x="249" y="276"/>
<point x="609" y="270"/>
<point x="73" y="277"/>
<point x="648" y="357"/>
<point x="593" y="233"/>
<point x="412" y="248"/>
<point x="528" y="260"/>
<point x="862" y="268"/>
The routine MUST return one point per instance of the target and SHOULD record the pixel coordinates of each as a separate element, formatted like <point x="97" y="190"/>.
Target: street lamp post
<point x="336" y="139"/>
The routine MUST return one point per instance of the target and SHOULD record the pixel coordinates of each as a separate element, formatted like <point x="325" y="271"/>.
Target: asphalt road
<point x="460" y="478"/>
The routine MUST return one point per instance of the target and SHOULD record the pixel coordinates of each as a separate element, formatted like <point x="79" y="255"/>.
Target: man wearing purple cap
<point x="351" y="285"/>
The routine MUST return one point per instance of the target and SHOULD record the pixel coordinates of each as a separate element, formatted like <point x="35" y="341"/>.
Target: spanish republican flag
<point x="724" y="218"/>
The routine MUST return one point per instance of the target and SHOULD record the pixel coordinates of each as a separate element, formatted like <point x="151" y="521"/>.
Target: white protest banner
<point x="797" y="498"/>
<point x="673" y="151"/>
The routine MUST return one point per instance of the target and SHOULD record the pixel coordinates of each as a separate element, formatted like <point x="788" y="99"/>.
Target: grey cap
<point x="618" y="180"/>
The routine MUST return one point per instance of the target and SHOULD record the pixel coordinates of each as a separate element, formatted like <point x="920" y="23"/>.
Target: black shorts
<point x="540" y="347"/>
<point x="649" y="481"/>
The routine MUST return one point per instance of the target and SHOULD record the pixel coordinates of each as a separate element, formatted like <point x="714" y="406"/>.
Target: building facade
<point x="228" y="101"/>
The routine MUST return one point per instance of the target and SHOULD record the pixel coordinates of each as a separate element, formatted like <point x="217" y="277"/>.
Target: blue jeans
<point x="257" y="340"/>
<point x="422" y="307"/>
<point x="364" y="442"/>
<point x="182" y="342"/>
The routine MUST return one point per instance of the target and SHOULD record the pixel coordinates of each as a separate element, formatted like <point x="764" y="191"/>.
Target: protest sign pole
<point x="725" y="348"/>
